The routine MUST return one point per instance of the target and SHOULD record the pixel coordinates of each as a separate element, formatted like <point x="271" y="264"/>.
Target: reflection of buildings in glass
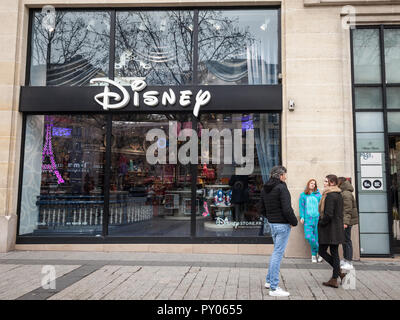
<point x="237" y="71"/>
<point x="75" y="72"/>
<point x="250" y="57"/>
<point x="67" y="52"/>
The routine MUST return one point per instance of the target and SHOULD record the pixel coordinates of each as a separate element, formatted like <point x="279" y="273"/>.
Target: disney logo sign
<point x="150" y="98"/>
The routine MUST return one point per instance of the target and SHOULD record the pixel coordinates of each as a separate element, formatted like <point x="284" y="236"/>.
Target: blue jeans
<point x="280" y="235"/>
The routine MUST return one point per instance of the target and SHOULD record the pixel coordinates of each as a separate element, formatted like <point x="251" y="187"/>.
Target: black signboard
<point x="223" y="99"/>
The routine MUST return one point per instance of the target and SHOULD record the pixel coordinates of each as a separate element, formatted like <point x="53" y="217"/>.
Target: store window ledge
<point x="257" y="249"/>
<point x="310" y="3"/>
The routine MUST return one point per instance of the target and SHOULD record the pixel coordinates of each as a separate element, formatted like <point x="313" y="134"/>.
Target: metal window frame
<point x="105" y="238"/>
<point x="384" y="110"/>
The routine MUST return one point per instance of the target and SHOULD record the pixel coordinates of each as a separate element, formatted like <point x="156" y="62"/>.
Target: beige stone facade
<point x="317" y="138"/>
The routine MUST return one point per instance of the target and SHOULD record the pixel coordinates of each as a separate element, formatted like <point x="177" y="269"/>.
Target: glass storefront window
<point x="392" y="55"/>
<point x="64" y="171"/>
<point x="366" y="56"/>
<point x="71" y="49"/>
<point x="238" y="47"/>
<point x="229" y="198"/>
<point x="370" y="142"/>
<point x="154" y="45"/>
<point x="374" y="243"/>
<point x="373" y="202"/>
<point x="153" y="157"/>
<point x="393" y="120"/>
<point x="63" y="175"/>
<point x="148" y="199"/>
<point x="367" y="187"/>
<point x="369" y="122"/>
<point x="373" y="222"/>
<point x="368" y="98"/>
<point x="393" y="97"/>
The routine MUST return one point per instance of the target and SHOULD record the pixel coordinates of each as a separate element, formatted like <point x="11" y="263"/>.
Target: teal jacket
<point x="308" y="204"/>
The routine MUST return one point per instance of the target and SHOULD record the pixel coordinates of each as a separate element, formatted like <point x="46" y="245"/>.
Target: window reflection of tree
<point x="79" y="43"/>
<point x="366" y="48"/>
<point x="160" y="46"/>
<point x="139" y="33"/>
<point x="221" y="39"/>
<point x="392" y="54"/>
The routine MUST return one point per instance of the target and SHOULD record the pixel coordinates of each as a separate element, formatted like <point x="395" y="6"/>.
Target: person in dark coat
<point x="350" y="218"/>
<point x="275" y="204"/>
<point x="330" y="227"/>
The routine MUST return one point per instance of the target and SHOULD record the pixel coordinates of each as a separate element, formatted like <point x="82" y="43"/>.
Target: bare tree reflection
<point x="159" y="46"/>
<point x="155" y="45"/>
<point x="76" y="51"/>
<point x="366" y="54"/>
<point x="220" y="37"/>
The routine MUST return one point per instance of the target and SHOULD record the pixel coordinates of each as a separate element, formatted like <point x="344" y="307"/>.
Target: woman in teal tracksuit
<point x="309" y="216"/>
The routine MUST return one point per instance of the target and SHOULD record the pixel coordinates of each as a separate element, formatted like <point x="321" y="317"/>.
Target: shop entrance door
<point x="394" y="187"/>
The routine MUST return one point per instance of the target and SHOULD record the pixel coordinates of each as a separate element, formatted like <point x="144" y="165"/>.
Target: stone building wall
<point x="317" y="137"/>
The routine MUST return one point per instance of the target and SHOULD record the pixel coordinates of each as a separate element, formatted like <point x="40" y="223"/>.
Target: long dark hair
<point x="332" y="179"/>
<point x="341" y="180"/>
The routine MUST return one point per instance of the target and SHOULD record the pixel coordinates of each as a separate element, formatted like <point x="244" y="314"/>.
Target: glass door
<point x="148" y="199"/>
<point x="394" y="154"/>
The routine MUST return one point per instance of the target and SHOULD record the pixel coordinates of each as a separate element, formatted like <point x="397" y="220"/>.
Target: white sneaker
<point x="320" y="259"/>
<point x="267" y="285"/>
<point x="347" y="266"/>
<point x="342" y="262"/>
<point x="314" y="259"/>
<point x="278" y="292"/>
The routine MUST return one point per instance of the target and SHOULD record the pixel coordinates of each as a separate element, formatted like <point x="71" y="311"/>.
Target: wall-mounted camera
<point x="291" y="105"/>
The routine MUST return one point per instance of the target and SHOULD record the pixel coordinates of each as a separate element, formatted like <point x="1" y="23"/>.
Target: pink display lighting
<point x="48" y="152"/>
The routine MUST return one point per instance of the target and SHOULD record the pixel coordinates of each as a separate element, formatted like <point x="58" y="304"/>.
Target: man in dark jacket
<point x="275" y="204"/>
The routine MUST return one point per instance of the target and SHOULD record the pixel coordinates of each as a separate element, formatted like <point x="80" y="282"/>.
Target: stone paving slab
<point x="194" y="283"/>
<point x="298" y="264"/>
<point x="133" y="276"/>
<point x="170" y="257"/>
<point x="18" y="280"/>
<point x="62" y="282"/>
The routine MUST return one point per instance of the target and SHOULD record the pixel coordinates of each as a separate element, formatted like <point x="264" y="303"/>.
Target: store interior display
<point x="145" y="199"/>
<point x="230" y="200"/>
<point x="70" y="196"/>
<point x="394" y="156"/>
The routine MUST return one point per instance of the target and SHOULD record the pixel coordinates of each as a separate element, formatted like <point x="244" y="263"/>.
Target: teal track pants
<point x="311" y="233"/>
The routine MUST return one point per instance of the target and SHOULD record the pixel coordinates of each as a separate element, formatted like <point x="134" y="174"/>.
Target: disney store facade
<point x="137" y="123"/>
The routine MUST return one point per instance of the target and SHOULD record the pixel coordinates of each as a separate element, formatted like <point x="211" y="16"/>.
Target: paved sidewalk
<point x="162" y="276"/>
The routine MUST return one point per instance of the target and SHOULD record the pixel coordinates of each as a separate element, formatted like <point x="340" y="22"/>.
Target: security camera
<point x="291" y="105"/>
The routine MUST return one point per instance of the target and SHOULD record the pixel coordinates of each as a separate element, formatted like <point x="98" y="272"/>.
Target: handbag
<point x="265" y="227"/>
